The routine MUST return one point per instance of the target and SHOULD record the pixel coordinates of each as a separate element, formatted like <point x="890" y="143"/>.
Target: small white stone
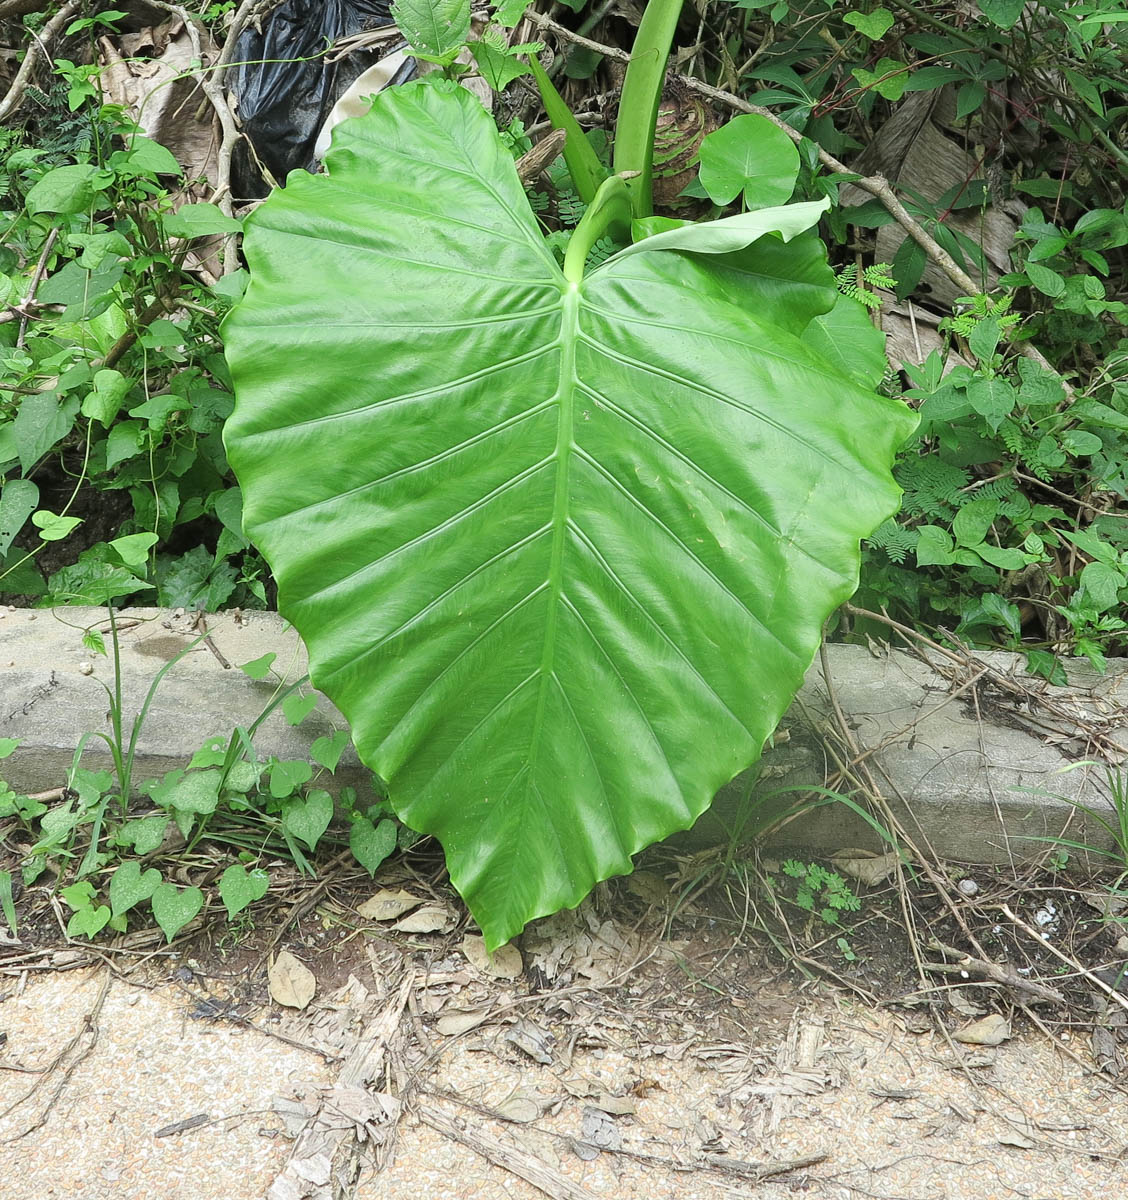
<point x="968" y="887"/>
<point x="86" y="668"/>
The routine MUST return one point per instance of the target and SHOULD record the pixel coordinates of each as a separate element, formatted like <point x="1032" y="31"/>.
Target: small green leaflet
<point x="144" y="834"/>
<point x="889" y="78"/>
<point x="750" y="155"/>
<point x="133" y="549"/>
<point x="104" y="402"/>
<point x="326" y="750"/>
<point x="239" y="887"/>
<point x="498" y="67"/>
<point x="435" y="29"/>
<point x="174" y="907"/>
<point x="258" y="668"/>
<point x="296" y="708"/>
<point x="874" y="25"/>
<point x="130" y="885"/>
<point x="371" y="844"/>
<point x="1004" y="13"/>
<point x="88" y="922"/>
<point x="308" y="819"/>
<point x="199" y="220"/>
<point x="52" y="526"/>
<point x="287" y="775"/>
<point x="187" y="791"/>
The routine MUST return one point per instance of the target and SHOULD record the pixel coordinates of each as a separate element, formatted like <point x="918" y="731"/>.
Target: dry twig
<point x="508" y="1156"/>
<point x="38" y="46"/>
<point x="966" y="964"/>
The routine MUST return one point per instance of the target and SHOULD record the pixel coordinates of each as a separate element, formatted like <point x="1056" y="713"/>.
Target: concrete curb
<point x="976" y="758"/>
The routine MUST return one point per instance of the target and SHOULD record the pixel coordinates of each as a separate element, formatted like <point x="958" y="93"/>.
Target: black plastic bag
<point x="282" y="104"/>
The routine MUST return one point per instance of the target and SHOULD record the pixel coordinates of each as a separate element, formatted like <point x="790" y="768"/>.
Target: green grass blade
<point x="642" y="93"/>
<point x="583" y="163"/>
<point x="7" y="901"/>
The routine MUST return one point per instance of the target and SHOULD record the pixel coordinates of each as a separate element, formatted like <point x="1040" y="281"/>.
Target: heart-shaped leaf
<point x="188" y="791"/>
<point x="239" y="887"/>
<point x="371" y="844"/>
<point x="308" y="819"/>
<point x="174" y="907"/>
<point x="296" y="708"/>
<point x="561" y="551"/>
<point x="144" y="834"/>
<point x="88" y="922"/>
<point x="130" y="885"/>
<point x="326" y="750"/>
<point x="749" y="154"/>
<point x="874" y="25"/>
<point x="287" y="775"/>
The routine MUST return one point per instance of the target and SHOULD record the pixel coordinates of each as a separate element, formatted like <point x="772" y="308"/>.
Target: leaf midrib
<point x="562" y="454"/>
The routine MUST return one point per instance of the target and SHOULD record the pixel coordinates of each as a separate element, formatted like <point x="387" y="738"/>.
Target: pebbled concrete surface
<point x="975" y="758"/>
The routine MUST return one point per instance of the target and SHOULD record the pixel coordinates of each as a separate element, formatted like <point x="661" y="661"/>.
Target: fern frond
<point x="897" y="541"/>
<point x="932" y="487"/>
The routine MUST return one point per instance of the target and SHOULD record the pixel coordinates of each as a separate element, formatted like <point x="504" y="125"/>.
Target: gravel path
<point x="92" y="1071"/>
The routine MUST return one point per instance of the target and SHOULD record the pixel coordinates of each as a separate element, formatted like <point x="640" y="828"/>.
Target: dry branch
<point x="38" y="46"/>
<point x="508" y="1156"/>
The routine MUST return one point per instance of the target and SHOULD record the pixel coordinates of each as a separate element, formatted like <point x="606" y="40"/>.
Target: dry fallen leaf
<point x="866" y="867"/>
<point x="1014" y="1138"/>
<point x="991" y="1030"/>
<point x="617" y="1106"/>
<point x="460" y="1020"/>
<point x="388" y="903"/>
<point x="519" y="1108"/>
<point x="291" y="982"/>
<point x="504" y="963"/>
<point x="431" y="918"/>
<point x="649" y="886"/>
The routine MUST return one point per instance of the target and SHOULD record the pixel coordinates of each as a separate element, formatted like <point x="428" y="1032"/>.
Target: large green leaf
<point x="560" y="553"/>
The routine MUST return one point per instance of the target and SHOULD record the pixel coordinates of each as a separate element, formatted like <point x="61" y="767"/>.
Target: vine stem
<point x="876" y="185"/>
<point x="27" y="308"/>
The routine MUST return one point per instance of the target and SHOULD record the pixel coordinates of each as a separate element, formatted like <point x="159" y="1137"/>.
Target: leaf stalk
<point x="641" y="96"/>
<point x="610" y="212"/>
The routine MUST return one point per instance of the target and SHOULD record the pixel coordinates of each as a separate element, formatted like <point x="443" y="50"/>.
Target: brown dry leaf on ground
<point x="291" y="982"/>
<point x="387" y="904"/>
<point x="991" y="1030"/>
<point x="504" y="963"/>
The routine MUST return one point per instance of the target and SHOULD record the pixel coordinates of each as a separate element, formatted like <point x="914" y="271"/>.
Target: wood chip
<point x="519" y="1108"/>
<point x="183" y="1126"/>
<point x="510" y="1157"/>
<point x="1012" y="1138"/>
<point x="617" y="1106"/>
